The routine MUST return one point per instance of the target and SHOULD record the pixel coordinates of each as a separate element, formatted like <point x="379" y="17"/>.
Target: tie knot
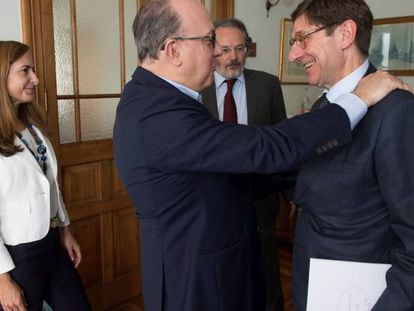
<point x="230" y="84"/>
<point x="320" y="102"/>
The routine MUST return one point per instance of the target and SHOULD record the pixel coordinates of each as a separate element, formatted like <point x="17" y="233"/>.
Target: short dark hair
<point x="234" y="23"/>
<point x="155" y="22"/>
<point x="331" y="13"/>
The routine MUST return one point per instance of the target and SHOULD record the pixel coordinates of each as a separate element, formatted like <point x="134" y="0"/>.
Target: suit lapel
<point x="371" y="69"/>
<point x="27" y="158"/>
<point x="252" y="95"/>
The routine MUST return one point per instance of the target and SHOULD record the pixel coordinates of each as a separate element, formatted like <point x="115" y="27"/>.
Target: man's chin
<point x="233" y="74"/>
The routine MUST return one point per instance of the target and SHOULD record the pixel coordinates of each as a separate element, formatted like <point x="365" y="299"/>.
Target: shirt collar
<point x="219" y="79"/>
<point x="348" y="83"/>
<point x="184" y="89"/>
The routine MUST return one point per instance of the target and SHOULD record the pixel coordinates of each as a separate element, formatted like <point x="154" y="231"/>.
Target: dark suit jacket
<point x="265" y="105"/>
<point x="184" y="172"/>
<point x="357" y="203"/>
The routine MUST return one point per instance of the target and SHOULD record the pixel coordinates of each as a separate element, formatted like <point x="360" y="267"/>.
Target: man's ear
<point x="172" y="50"/>
<point x="347" y="33"/>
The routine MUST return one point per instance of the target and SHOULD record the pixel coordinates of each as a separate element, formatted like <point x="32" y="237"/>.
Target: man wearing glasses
<point x="258" y="100"/>
<point x="185" y="170"/>
<point x="355" y="203"/>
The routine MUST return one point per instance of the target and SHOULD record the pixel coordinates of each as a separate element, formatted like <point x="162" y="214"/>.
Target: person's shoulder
<point x="397" y="101"/>
<point x="261" y="75"/>
<point x="399" y="98"/>
<point x="209" y="89"/>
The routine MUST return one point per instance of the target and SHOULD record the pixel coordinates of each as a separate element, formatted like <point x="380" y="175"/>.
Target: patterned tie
<point x="320" y="102"/>
<point x="230" y="113"/>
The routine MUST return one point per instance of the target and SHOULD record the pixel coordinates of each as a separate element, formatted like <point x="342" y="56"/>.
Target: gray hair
<point x="233" y="23"/>
<point x="155" y="22"/>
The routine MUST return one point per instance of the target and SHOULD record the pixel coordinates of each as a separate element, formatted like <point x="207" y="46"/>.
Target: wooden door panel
<point x="126" y="243"/>
<point x="118" y="189"/>
<point x="88" y="233"/>
<point x="104" y="222"/>
<point x="81" y="184"/>
<point x="114" y="293"/>
<point x="222" y="9"/>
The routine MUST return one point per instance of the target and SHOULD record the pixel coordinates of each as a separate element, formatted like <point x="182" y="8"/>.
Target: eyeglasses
<point x="211" y="38"/>
<point x="240" y="49"/>
<point x="301" y="37"/>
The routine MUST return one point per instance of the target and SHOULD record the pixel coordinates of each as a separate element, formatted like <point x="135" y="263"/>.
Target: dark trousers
<point x="267" y="211"/>
<point x="45" y="272"/>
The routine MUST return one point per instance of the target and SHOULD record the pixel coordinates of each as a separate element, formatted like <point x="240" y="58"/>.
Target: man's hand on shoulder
<point x="375" y="86"/>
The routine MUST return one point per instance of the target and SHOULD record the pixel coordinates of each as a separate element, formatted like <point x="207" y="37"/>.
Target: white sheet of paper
<point x="336" y="285"/>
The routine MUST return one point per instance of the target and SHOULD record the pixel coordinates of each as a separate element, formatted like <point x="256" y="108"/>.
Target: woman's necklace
<point x="41" y="148"/>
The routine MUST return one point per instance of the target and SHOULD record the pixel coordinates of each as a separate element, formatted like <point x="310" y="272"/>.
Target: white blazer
<point x="25" y="199"/>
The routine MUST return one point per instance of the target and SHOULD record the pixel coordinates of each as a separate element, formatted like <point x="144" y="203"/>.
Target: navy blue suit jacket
<point x="357" y="203"/>
<point x="184" y="171"/>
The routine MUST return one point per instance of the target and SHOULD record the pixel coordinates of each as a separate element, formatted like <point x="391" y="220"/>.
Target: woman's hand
<point x="11" y="295"/>
<point x="71" y="245"/>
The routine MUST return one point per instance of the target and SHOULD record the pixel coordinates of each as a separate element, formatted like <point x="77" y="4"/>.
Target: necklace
<point x="41" y="148"/>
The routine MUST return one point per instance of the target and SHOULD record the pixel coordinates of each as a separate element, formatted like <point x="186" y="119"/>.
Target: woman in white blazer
<point x="38" y="254"/>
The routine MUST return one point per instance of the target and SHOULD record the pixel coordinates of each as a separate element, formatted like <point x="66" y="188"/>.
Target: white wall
<point x="10" y="25"/>
<point x="266" y="33"/>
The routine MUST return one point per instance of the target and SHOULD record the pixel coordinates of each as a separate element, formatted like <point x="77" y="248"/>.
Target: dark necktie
<point x="320" y="102"/>
<point x="230" y="112"/>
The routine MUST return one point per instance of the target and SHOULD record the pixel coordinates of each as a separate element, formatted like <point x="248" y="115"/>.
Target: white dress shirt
<point x="239" y="94"/>
<point x="341" y="94"/>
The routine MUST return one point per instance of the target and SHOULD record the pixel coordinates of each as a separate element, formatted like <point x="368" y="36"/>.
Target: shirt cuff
<point x="354" y="107"/>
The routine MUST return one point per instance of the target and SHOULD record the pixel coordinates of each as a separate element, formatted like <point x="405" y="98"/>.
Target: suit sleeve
<point x="278" y="104"/>
<point x="183" y="138"/>
<point x="395" y="169"/>
<point x="279" y="114"/>
<point x="264" y="185"/>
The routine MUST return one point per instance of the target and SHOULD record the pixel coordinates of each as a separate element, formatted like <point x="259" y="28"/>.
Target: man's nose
<point x="233" y="53"/>
<point x="295" y="53"/>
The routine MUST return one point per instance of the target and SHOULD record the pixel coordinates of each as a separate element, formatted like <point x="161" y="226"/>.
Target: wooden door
<point x="219" y="9"/>
<point x="80" y="97"/>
